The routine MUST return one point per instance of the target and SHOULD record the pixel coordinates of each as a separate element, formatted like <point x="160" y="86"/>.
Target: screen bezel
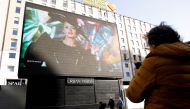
<point x="22" y="73"/>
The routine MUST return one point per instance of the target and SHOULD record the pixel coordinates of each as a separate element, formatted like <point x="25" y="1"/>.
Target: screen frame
<point x="22" y="73"/>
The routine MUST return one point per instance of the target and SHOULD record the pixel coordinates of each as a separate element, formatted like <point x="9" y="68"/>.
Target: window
<point x="53" y="2"/>
<point x="73" y="7"/>
<point x="145" y="45"/>
<point x="99" y="13"/>
<point x="128" y="74"/>
<point x="121" y="31"/>
<point x="125" y="56"/>
<point x="128" y="20"/>
<point x="133" y="50"/>
<point x="136" y="36"/>
<point x="105" y="14"/>
<point x="132" y="42"/>
<point x="133" y="22"/>
<point x="140" y="58"/>
<point x="134" y="57"/>
<point x="90" y="10"/>
<point x="18" y="1"/>
<point x="12" y="55"/>
<point x="137" y="43"/>
<point x="141" y="30"/>
<point x="134" y="28"/>
<point x="120" y="25"/>
<point x="120" y="18"/>
<point x="113" y="16"/>
<point x="10" y="68"/>
<point x="83" y="8"/>
<point x="65" y="3"/>
<point x="126" y="65"/>
<point x="131" y="35"/>
<point x="13" y="44"/>
<point x="139" y="51"/>
<point x="123" y="41"/>
<point x="129" y="27"/>
<point x="44" y="0"/>
<point x="16" y="20"/>
<point x="15" y="31"/>
<point x="18" y="10"/>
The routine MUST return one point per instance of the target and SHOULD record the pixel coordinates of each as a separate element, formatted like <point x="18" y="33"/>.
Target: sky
<point x="175" y="13"/>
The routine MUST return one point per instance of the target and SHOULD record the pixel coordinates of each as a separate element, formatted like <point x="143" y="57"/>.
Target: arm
<point x="142" y="82"/>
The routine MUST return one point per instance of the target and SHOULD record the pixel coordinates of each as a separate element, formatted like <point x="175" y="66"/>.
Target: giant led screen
<point x="59" y="43"/>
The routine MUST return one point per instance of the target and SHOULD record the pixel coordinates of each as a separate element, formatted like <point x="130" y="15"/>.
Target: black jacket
<point x="52" y="56"/>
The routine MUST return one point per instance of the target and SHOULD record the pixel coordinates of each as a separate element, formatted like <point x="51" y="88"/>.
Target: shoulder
<point x="150" y="63"/>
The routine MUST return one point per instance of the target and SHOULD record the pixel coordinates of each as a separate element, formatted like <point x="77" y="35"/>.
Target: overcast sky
<point x="174" y="12"/>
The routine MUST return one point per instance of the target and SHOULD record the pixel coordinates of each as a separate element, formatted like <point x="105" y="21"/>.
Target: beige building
<point x="131" y="33"/>
<point x="136" y="31"/>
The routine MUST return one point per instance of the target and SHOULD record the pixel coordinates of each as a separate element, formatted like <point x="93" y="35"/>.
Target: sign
<point x="15" y="82"/>
<point x="80" y="81"/>
<point x="96" y="3"/>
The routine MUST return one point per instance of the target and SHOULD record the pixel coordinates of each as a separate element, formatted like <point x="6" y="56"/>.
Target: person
<point x="163" y="79"/>
<point x="119" y="103"/>
<point x="111" y="103"/>
<point x="62" y="54"/>
<point x="102" y="105"/>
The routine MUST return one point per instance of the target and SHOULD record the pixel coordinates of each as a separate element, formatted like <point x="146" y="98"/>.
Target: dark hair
<point x="162" y="34"/>
<point x="70" y="19"/>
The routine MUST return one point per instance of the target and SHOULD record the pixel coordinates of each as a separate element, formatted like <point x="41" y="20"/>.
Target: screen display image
<point x="60" y="43"/>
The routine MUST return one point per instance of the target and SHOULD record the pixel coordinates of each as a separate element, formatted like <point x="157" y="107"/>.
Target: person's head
<point x="69" y="30"/>
<point x="162" y="34"/>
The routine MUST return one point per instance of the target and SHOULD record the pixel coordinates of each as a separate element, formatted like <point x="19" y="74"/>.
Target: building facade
<point x="131" y="33"/>
<point x="133" y="48"/>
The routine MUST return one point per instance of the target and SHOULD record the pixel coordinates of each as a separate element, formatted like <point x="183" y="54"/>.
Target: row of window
<point x="13" y="43"/>
<point x="84" y="9"/>
<point x="137" y="43"/>
<point x="123" y="48"/>
<point x="132" y="21"/>
<point x="137" y="58"/>
<point x="15" y="32"/>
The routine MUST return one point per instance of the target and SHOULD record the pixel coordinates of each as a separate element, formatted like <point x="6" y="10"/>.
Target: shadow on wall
<point x="12" y="97"/>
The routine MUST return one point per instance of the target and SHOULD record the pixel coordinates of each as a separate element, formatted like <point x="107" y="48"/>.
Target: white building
<point x="130" y="31"/>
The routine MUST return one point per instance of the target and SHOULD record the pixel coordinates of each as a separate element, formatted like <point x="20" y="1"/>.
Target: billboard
<point x="59" y="43"/>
